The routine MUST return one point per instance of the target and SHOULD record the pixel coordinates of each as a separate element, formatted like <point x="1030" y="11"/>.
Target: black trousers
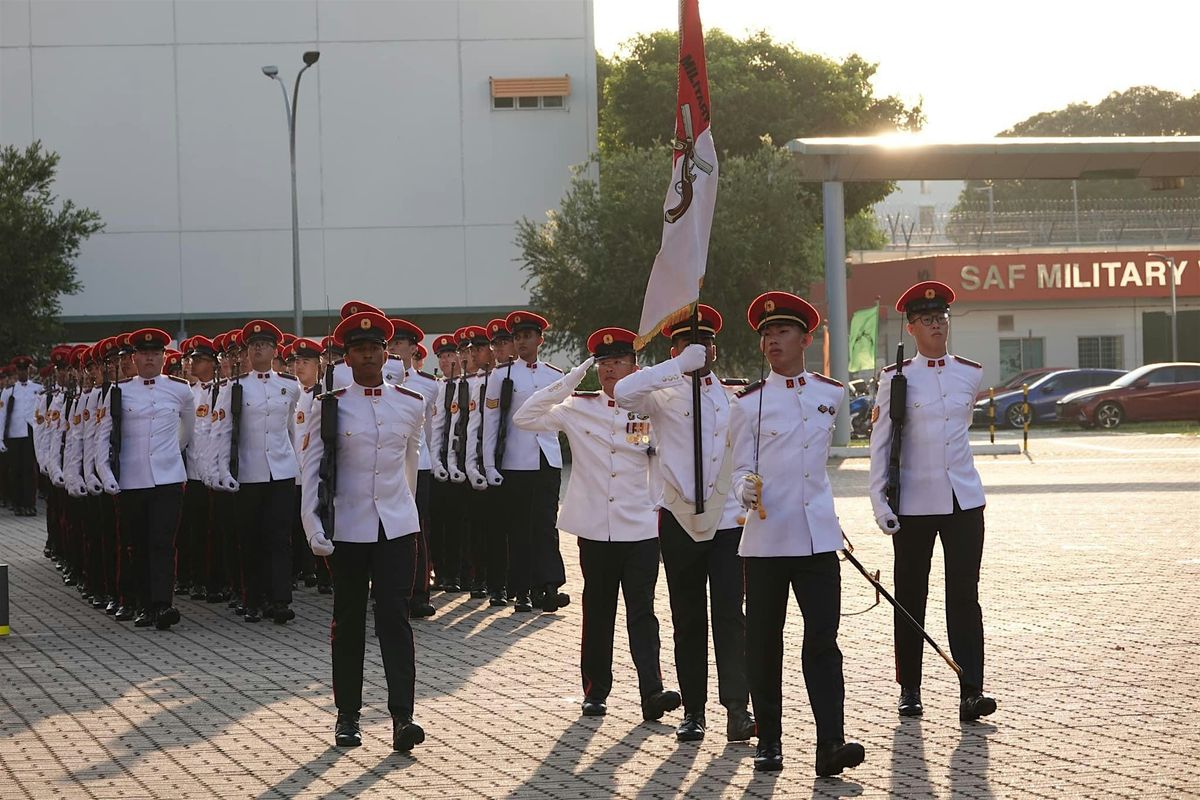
<point x="192" y="566"/>
<point x="962" y="544"/>
<point x="23" y="471"/>
<point x="700" y="573"/>
<point x="149" y="522"/>
<point x="816" y="582"/>
<point x="529" y="510"/>
<point x="423" y="563"/>
<point x="446" y="531"/>
<point x="631" y="568"/>
<point x="384" y="567"/>
<point x="109" y="540"/>
<point x="264" y="514"/>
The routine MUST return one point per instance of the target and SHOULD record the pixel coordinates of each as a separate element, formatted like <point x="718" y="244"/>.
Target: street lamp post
<point x="1170" y="261"/>
<point x="272" y="72"/>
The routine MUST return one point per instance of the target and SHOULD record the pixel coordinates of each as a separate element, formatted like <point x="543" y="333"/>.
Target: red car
<point x="1153" y="392"/>
<point x="1021" y="378"/>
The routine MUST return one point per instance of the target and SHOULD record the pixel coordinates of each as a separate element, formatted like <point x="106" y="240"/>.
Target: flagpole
<point x="697" y="432"/>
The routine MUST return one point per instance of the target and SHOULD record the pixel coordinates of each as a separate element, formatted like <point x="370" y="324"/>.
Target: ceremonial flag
<point x="864" y="326"/>
<point x="678" y="270"/>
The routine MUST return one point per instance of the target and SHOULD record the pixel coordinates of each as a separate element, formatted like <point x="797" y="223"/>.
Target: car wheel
<point x="1015" y="415"/>
<point x="1109" y="415"/>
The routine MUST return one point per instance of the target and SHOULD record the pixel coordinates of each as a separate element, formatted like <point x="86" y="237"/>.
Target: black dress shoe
<point x="406" y="735"/>
<point x="310" y="579"/>
<point x="110" y="608"/>
<point x="833" y="757"/>
<point x="182" y="588"/>
<point x="479" y="591"/>
<point x="974" y="706"/>
<point x="166" y="617"/>
<point x="324" y="588"/>
<point x="549" y="600"/>
<point x="740" y="726"/>
<point x="564" y="599"/>
<point x="593" y="707"/>
<point x="252" y="615"/>
<point x="346" y="732"/>
<point x="910" y="702"/>
<point x="659" y="703"/>
<point x="523" y="603"/>
<point x="123" y="613"/>
<point x="451" y="588"/>
<point x="421" y="609"/>
<point x="198" y="593"/>
<point x="768" y="757"/>
<point x="144" y="618"/>
<point x="235" y="602"/>
<point x="692" y="727"/>
<point x="217" y="596"/>
<point x="498" y="599"/>
<point x="282" y="614"/>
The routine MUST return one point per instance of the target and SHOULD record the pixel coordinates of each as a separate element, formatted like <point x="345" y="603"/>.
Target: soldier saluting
<point x="360" y="455"/>
<point x="942" y="495"/>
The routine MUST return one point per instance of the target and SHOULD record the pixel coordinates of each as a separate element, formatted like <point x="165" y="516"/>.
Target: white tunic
<point x="522" y="449"/>
<point x="476" y="388"/>
<point x="664" y="393"/>
<point x="425" y="385"/>
<point x="608" y="496"/>
<point x="440" y="416"/>
<point x="376" y="464"/>
<point x="196" y="457"/>
<point x="936" y="464"/>
<point x="303" y="411"/>
<point x="265" y="450"/>
<point x="158" y="416"/>
<point x="798" y="413"/>
<point x="19" y="402"/>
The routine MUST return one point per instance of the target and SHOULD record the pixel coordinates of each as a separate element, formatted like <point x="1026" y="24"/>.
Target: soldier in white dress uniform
<point x="373" y="544"/>
<point x="158" y="414"/>
<point x="941" y="495"/>
<point x="698" y="551"/>
<point x="782" y="428"/>
<point x="304" y="358"/>
<point x="609" y="507"/>
<point x="266" y="472"/>
<point x="17" y="421"/>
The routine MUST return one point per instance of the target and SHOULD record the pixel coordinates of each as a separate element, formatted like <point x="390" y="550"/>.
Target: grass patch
<point x="1182" y="427"/>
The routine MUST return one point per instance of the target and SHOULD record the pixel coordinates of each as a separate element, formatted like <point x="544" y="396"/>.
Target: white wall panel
<point x="493" y="276"/>
<point x="396" y="267"/>
<point x="234" y="139"/>
<point x="390" y="128"/>
<point x="522" y="19"/>
<point x="110" y="113"/>
<point x="102" y="22"/>
<point x="249" y="271"/>
<point x="16" y="98"/>
<point x="225" y="21"/>
<point x="396" y="20"/>
<point x="14" y="23"/>
<point x="127" y="273"/>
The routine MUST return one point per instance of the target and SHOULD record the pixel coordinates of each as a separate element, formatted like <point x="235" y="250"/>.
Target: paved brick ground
<point x="1089" y="596"/>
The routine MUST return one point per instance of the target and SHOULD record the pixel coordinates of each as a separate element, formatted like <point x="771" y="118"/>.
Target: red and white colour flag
<point x="678" y="270"/>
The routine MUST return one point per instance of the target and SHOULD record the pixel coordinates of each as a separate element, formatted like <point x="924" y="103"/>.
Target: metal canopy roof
<point x="896" y="157"/>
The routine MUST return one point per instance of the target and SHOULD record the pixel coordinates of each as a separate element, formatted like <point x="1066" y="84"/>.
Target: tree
<point x="587" y="265"/>
<point x="39" y="241"/>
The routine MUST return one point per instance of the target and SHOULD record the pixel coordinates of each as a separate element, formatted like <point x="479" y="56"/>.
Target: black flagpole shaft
<point x="884" y="593"/>
<point x="697" y="432"/>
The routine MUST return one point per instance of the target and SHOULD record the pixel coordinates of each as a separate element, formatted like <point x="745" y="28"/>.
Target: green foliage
<point x="1138" y="111"/>
<point x="39" y="241"/>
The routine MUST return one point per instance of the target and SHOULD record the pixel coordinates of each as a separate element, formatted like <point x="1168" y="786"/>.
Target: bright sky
<point x="980" y="67"/>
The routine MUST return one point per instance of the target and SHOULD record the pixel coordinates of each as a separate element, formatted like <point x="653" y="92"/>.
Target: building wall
<point x="410" y="185"/>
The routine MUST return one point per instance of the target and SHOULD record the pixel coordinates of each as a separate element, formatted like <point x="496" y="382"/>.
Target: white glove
<point x="747" y="492"/>
<point x="456" y="475"/>
<point x="57" y="478"/>
<point x="575" y="376"/>
<point x="94" y="486"/>
<point x="888" y="523"/>
<point x="227" y="483"/>
<point x="111" y="486"/>
<point x="439" y="473"/>
<point x="75" y="487"/>
<point x="493" y="476"/>
<point x="478" y="482"/>
<point x="319" y="545"/>
<point x="3" y="447"/>
<point x="692" y="358"/>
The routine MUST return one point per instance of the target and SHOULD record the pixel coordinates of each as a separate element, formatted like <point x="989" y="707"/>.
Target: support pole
<point x="834" y="207"/>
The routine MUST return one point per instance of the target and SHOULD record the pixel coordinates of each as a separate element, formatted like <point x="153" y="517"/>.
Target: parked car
<point x="1020" y="379"/>
<point x="1044" y="394"/>
<point x="1153" y="392"/>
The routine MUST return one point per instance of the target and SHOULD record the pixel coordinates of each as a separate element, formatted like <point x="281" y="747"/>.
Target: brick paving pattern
<point x="1089" y="597"/>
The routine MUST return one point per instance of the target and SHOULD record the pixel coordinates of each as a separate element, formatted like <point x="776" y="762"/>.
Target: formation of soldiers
<point x="239" y="467"/>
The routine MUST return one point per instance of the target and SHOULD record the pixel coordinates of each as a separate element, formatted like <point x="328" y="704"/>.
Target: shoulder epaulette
<point x="178" y="379"/>
<point x="409" y="392"/>
<point x="585" y="394"/>
<point x="311" y="389"/>
<point x="750" y="389"/>
<point x="123" y="380"/>
<point x="333" y="392"/>
<point x="891" y="367"/>
<point x="968" y="362"/>
<point x="288" y="376"/>
<point x="551" y="366"/>
<point x="735" y="381"/>
<point x="424" y="374"/>
<point x="826" y="379"/>
<point x="245" y="374"/>
<point x="222" y="381"/>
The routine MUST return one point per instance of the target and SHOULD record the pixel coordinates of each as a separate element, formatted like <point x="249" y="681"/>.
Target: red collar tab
<point x="262" y="376"/>
<point x="376" y="392"/>
<point x="941" y="362"/>
<point x="708" y="380"/>
<point x="148" y="382"/>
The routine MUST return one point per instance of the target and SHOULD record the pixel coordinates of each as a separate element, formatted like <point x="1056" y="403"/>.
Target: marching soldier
<point x="479" y="366"/>
<point x="305" y="358"/>
<point x="530" y="467"/>
<point x="367" y="456"/>
<point x="444" y="534"/>
<point x="157" y="416"/>
<point x="610" y="508"/>
<point x="941" y="495"/>
<point x="201" y="572"/>
<point x="19" y="403"/>
<point x="698" y="551"/>
<point x="266" y="467"/>
<point x="782" y="428"/>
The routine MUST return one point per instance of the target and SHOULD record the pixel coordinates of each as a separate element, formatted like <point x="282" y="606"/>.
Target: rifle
<point x="9" y="406"/>
<point x="68" y="406"/>
<point x="506" y="396"/>
<point x="447" y="402"/>
<point x="460" y="427"/>
<point x="235" y="417"/>
<point x="327" y="474"/>
<point x="479" y="438"/>
<point x="898" y="399"/>
<point x="114" y="435"/>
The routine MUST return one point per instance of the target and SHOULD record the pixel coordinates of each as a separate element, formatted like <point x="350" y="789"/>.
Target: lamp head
<point x="311" y="56"/>
<point x="270" y="71"/>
